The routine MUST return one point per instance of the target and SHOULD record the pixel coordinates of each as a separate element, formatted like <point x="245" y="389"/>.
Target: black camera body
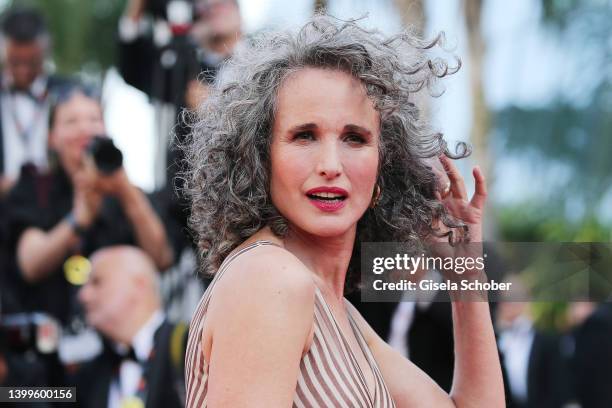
<point x="106" y="156"/>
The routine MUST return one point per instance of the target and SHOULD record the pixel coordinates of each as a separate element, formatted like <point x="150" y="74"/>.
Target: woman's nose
<point x="329" y="163"/>
<point x="85" y="130"/>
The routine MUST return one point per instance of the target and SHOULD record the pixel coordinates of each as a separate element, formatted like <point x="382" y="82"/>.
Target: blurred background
<point x="533" y="97"/>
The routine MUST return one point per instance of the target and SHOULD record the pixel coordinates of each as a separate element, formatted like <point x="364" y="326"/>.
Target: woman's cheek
<point x="363" y="174"/>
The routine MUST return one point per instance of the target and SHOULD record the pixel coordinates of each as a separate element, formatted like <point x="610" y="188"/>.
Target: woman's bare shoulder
<point x="263" y="278"/>
<point x="267" y="267"/>
<point x="258" y="326"/>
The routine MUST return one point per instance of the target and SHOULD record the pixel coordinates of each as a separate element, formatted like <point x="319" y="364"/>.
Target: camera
<point x="106" y="156"/>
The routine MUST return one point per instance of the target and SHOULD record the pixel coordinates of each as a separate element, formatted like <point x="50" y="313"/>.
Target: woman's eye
<point x="355" y="138"/>
<point x="306" y="135"/>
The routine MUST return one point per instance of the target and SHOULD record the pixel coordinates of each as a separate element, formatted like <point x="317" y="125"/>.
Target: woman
<point x="310" y="145"/>
<point x="75" y="209"/>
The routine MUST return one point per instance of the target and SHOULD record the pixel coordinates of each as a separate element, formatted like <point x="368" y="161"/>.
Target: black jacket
<point x="592" y="362"/>
<point x="548" y="376"/>
<point x="164" y="375"/>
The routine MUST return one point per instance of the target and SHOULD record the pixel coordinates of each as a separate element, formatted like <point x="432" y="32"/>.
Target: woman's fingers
<point x="443" y="185"/>
<point x="457" y="186"/>
<point x="480" y="193"/>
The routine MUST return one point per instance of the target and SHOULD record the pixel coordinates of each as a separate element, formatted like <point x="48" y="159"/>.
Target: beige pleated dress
<point x="329" y="373"/>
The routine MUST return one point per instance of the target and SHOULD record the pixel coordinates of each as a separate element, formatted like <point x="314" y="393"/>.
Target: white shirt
<point x="400" y="327"/>
<point x="516" y="342"/>
<point x="130" y="372"/>
<point x="25" y="127"/>
<point x="403" y="316"/>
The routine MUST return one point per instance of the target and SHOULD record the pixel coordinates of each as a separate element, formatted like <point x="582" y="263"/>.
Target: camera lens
<point x="105" y="154"/>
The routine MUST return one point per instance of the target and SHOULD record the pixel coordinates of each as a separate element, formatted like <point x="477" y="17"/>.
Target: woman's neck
<point x="327" y="258"/>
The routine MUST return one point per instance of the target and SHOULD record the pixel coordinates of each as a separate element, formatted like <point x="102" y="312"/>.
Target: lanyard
<point x="25" y="133"/>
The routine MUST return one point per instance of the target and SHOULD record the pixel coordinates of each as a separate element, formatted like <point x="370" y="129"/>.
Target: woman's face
<point x="324" y="151"/>
<point x="76" y="121"/>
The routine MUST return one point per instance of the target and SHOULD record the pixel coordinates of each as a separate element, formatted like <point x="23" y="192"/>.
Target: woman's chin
<point x="329" y="229"/>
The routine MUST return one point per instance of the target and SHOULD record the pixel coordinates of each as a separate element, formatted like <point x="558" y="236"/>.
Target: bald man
<point x="142" y="360"/>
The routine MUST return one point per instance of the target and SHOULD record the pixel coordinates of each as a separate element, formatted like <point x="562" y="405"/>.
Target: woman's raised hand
<point x="454" y="197"/>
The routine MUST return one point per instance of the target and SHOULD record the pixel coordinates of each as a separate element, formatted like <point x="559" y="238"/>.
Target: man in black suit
<point x="142" y="361"/>
<point x="537" y="371"/>
<point x="592" y="360"/>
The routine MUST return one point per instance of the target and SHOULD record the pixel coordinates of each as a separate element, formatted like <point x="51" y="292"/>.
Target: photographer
<point x="75" y="209"/>
<point x="172" y="51"/>
<point x="166" y="44"/>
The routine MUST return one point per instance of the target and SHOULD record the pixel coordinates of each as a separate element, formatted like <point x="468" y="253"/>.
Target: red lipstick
<point x="328" y="199"/>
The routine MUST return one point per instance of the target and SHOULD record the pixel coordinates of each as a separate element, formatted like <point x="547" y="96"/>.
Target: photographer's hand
<point x="87" y="199"/>
<point x="116" y="184"/>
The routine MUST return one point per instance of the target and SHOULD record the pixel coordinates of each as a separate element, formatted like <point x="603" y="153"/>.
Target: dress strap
<point x="234" y="255"/>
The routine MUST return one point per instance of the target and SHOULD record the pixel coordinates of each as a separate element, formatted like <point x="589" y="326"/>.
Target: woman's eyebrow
<point x="357" y="129"/>
<point x="303" y="127"/>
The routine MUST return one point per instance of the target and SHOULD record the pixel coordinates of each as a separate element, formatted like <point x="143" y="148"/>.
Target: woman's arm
<point x="477" y="378"/>
<point x="258" y="326"/>
<point x="39" y="252"/>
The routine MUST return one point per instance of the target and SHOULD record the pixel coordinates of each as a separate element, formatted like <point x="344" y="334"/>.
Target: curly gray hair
<point x="229" y="151"/>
